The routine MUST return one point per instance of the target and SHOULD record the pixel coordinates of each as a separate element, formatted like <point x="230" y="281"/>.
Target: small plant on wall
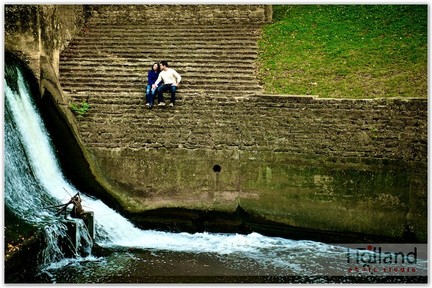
<point x="79" y="109"/>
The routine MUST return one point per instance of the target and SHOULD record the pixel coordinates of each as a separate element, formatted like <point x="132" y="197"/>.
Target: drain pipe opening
<point x="217" y="168"/>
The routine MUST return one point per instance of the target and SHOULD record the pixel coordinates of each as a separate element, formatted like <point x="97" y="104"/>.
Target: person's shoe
<point x="171" y="104"/>
<point x="148" y="105"/>
<point x="161" y="104"/>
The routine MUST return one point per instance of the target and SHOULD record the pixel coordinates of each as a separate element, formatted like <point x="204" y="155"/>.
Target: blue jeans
<point x="167" y="87"/>
<point x="150" y="94"/>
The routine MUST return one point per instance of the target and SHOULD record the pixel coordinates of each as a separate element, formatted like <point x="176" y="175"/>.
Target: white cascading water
<point x="33" y="180"/>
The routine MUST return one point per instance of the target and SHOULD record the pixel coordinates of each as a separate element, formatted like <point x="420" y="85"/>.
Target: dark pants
<point x="150" y="94"/>
<point x="167" y="87"/>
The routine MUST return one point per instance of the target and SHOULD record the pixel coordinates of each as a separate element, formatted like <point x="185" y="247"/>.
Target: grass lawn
<point x="345" y="51"/>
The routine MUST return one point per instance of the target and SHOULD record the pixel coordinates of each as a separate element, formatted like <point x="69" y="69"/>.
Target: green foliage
<point x="346" y="51"/>
<point x="80" y="109"/>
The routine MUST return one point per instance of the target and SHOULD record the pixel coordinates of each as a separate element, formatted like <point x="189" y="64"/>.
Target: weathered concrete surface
<point x="335" y="165"/>
<point x="336" y="173"/>
<point x="35" y="31"/>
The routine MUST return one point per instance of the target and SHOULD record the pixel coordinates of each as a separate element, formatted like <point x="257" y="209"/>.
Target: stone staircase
<point x="213" y="47"/>
<point x="208" y="60"/>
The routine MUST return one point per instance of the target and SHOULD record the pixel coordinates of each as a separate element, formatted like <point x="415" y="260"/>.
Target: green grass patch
<point x="345" y="51"/>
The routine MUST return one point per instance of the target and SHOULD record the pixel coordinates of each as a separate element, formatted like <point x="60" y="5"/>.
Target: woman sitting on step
<point x="152" y="76"/>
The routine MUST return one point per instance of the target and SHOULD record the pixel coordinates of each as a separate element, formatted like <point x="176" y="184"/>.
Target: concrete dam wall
<point x="326" y="164"/>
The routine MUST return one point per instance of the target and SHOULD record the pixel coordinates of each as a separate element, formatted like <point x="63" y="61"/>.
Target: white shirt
<point x="169" y="76"/>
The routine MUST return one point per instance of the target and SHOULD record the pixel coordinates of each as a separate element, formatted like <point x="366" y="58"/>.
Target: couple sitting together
<point x="161" y="78"/>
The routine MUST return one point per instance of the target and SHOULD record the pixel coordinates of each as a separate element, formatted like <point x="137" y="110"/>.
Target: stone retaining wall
<point x="352" y="130"/>
<point x="338" y="165"/>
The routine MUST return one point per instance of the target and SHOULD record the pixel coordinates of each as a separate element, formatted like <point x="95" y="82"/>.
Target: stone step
<point x="202" y="52"/>
<point x="127" y="75"/>
<point x="182" y="68"/>
<point x="178" y="14"/>
<point x="143" y="45"/>
<point x="129" y="36"/>
<point x="91" y="95"/>
<point x="206" y="87"/>
<point x="85" y="83"/>
<point x="83" y="93"/>
<point x="146" y="62"/>
<point x="122" y="76"/>
<point x="124" y="79"/>
<point x="97" y="100"/>
<point x="179" y="26"/>
<point x="168" y="40"/>
<point x="136" y="90"/>
<point x="172" y="38"/>
<point x="187" y="72"/>
<point x="112" y="20"/>
<point x="168" y="49"/>
<point x="107" y="69"/>
<point x="171" y="57"/>
<point x="144" y="65"/>
<point x="167" y="30"/>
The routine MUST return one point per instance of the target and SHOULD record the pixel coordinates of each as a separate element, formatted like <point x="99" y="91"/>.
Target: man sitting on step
<point x="170" y="79"/>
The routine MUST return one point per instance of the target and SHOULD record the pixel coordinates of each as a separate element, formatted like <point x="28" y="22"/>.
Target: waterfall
<point x="33" y="180"/>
